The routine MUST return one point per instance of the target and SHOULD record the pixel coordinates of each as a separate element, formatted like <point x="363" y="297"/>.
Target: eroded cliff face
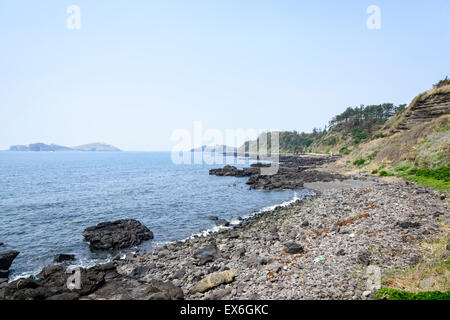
<point x="426" y="107"/>
<point x="420" y="135"/>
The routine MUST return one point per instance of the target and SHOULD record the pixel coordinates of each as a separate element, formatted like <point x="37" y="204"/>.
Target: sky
<point x="135" y="72"/>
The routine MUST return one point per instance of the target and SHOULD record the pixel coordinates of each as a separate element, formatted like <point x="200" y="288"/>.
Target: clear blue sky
<point x="137" y="70"/>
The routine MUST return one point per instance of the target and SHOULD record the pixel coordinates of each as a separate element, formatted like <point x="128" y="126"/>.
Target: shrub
<point x="393" y="294"/>
<point x="359" y="162"/>
<point x="345" y="150"/>
<point x="442" y="83"/>
<point x="403" y="168"/>
<point x="331" y="141"/>
<point x="433" y="178"/>
<point x="384" y="173"/>
<point x="358" y="135"/>
<point x="438" y="174"/>
<point x="375" y="171"/>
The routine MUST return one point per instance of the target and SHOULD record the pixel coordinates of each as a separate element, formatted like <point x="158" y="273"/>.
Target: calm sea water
<point x="48" y="199"/>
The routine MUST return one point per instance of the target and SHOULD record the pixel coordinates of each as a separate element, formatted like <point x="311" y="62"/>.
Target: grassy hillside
<point x="346" y="130"/>
<point x="412" y="142"/>
<point x="355" y="126"/>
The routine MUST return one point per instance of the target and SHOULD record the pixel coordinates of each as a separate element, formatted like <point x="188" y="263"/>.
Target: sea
<point x="47" y="199"/>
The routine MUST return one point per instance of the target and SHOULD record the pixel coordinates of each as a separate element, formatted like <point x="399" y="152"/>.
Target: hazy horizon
<point x="136" y="72"/>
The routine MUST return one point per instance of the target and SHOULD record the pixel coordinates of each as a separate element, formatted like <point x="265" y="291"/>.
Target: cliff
<point x="420" y="135"/>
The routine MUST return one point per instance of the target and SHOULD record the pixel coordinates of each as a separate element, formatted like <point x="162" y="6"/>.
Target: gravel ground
<point x="319" y="248"/>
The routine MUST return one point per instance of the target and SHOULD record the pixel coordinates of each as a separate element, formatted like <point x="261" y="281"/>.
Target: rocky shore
<point x="292" y="173"/>
<point x="320" y="247"/>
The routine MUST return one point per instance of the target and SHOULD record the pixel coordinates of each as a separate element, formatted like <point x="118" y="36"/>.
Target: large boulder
<point x="54" y="282"/>
<point x="116" y="235"/>
<point x="6" y="259"/>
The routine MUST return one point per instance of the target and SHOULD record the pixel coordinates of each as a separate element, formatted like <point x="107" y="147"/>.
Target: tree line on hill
<point x="358" y="123"/>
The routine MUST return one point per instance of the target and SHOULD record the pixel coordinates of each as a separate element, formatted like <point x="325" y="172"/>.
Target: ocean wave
<point x="89" y="262"/>
<point x="236" y="222"/>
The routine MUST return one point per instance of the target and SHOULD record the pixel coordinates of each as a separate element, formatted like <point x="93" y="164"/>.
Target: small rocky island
<point x="96" y="146"/>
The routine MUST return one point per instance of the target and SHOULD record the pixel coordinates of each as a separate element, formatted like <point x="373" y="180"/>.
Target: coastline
<point x="256" y="251"/>
<point x="136" y="251"/>
<point x="245" y="219"/>
<point x="319" y="247"/>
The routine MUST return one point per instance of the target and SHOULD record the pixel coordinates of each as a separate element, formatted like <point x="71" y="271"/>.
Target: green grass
<point x="403" y="168"/>
<point x="430" y="182"/>
<point x="438" y="174"/>
<point x="345" y="150"/>
<point x="359" y="162"/>
<point x="393" y="294"/>
<point x="445" y="129"/>
<point x="433" y="178"/>
<point x="438" y="179"/>
<point x="384" y="173"/>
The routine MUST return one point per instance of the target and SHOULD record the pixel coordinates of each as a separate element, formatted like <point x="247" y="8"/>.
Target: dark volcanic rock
<point x="222" y="222"/>
<point x="99" y="282"/>
<point x="233" y="171"/>
<point x="179" y="274"/>
<point x="168" y="289"/>
<point x="63" y="257"/>
<point x="364" y="258"/>
<point x="140" y="271"/>
<point x="65" y="296"/>
<point x="207" y="254"/>
<point x="4" y="274"/>
<point x="260" y="165"/>
<point x="117" y="235"/>
<point x="6" y="259"/>
<point x="408" y="225"/>
<point x="293" y="248"/>
<point x="293" y="172"/>
<point x="52" y="283"/>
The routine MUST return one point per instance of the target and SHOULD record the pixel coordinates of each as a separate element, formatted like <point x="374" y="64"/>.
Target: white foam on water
<point x="236" y="222"/>
<point x="281" y="205"/>
<point x="88" y="263"/>
<point x="82" y="263"/>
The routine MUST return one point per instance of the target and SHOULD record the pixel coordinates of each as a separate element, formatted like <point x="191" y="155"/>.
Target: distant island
<point x="217" y="148"/>
<point x="96" y="146"/>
